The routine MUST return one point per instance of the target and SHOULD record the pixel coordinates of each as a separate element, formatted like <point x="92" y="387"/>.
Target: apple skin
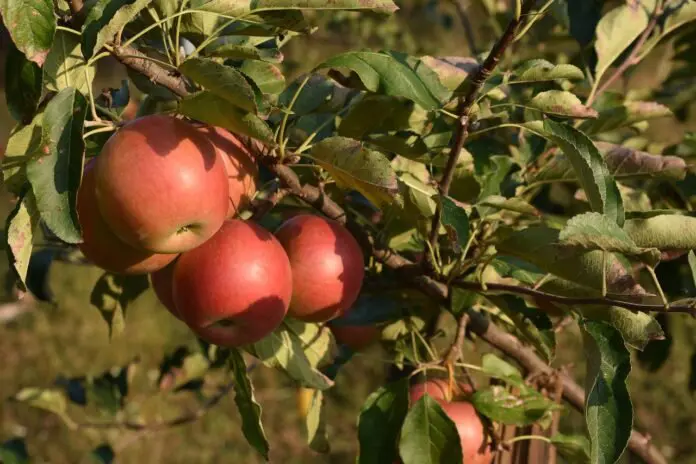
<point x="100" y="245"/>
<point x="235" y="288"/>
<point x="327" y="267"/>
<point x="242" y="172"/>
<point x="356" y="337"/>
<point x="471" y="431"/>
<point x="161" y="185"/>
<point x="162" y="284"/>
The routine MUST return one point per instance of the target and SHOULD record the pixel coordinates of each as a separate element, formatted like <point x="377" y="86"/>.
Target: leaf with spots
<point x="355" y="166"/>
<point x="624" y="115"/>
<point x="561" y="103"/>
<point x="21" y="226"/>
<point x="55" y="175"/>
<point x="31" y="24"/>
<point x="539" y="70"/>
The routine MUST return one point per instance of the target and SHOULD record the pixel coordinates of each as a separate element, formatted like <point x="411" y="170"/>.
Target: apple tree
<point x="431" y="204"/>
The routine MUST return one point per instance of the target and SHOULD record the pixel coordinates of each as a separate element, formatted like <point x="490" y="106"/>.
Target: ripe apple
<point x="235" y="288"/>
<point x="162" y="285"/>
<point x="437" y="388"/>
<point x="327" y="267"/>
<point x="241" y="169"/>
<point x="356" y="337"/>
<point x="161" y="185"/>
<point x="470" y="428"/>
<point x="100" y="245"/>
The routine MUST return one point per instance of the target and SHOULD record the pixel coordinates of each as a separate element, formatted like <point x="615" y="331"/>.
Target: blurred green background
<point x="70" y="338"/>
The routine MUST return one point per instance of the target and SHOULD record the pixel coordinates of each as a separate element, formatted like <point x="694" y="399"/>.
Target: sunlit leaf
<point x="21" y="226"/>
<point x="561" y="103"/>
<point x="248" y="408"/>
<point x="65" y="66"/>
<point x="538" y="70"/>
<point x="113" y="293"/>
<point x="222" y="81"/>
<point x="31" y="24"/>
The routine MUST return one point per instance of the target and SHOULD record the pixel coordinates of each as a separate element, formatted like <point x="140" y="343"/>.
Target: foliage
<point x="561" y="206"/>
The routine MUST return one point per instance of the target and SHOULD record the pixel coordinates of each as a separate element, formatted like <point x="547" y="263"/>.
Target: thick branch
<point x="136" y="60"/>
<point x="478" y="324"/>
<point x="464" y="109"/>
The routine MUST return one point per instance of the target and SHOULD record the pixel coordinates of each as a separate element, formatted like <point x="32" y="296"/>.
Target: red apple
<point x="471" y="431"/>
<point x="100" y="245"/>
<point x="357" y="337"/>
<point x="162" y="285"/>
<point x="239" y="165"/>
<point x="235" y="288"/>
<point x="161" y="185"/>
<point x="327" y="267"/>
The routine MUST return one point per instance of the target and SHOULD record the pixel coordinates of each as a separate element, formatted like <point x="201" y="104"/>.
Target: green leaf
<point x="561" y="103"/>
<point x="31" y="24"/>
<point x="455" y="220"/>
<point x="14" y="451"/>
<point x="380" y="421"/>
<point x="665" y="232"/>
<point x="523" y="408"/>
<point x="428" y="435"/>
<point x="108" y="391"/>
<point x="624" y="163"/>
<point x="220" y="80"/>
<point x="539" y="246"/>
<point x="216" y="111"/>
<point x="353" y="165"/>
<point x="21" y="226"/>
<point x="249" y="409"/>
<point x="637" y="329"/>
<point x="22" y="85"/>
<point x="393" y="74"/>
<point x="539" y="70"/>
<point x="415" y="189"/>
<point x="574" y="448"/>
<point x="48" y="399"/>
<point x="23" y="144"/>
<point x="316" y="340"/>
<point x="624" y="115"/>
<point x="105" y="18"/>
<point x="589" y="165"/>
<point x="284" y="349"/>
<point x="113" y="293"/>
<point x="55" y="176"/>
<point x="684" y="14"/>
<point x="514" y="204"/>
<point x="656" y="352"/>
<point x="380" y="114"/>
<point x="65" y="66"/>
<point x="594" y="231"/>
<point x="616" y="31"/>
<point x="316" y="427"/>
<point x="608" y="408"/>
<point x="266" y="76"/>
<point x="242" y="48"/>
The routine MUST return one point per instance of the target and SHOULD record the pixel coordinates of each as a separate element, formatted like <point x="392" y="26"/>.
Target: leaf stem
<point x="527" y="437"/>
<point x="282" y="143"/>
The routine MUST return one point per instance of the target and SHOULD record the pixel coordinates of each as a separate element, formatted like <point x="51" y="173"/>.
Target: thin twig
<point x="464" y="111"/>
<point x="466" y="25"/>
<point x="575" y="301"/>
<point x="262" y="206"/>
<point x="631" y="59"/>
<point x="455" y="352"/>
<point x="555" y="421"/>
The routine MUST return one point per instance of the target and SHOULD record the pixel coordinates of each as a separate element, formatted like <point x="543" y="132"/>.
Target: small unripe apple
<point x="356" y="337"/>
<point x="327" y="267"/>
<point x="162" y="285"/>
<point x="161" y="185"/>
<point x="101" y="246"/>
<point x="241" y="169"/>
<point x="235" y="288"/>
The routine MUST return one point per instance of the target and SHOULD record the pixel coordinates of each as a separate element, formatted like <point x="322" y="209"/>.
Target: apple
<point x="241" y="169"/>
<point x="472" y="435"/>
<point x="327" y="267"/>
<point x="356" y="337"/>
<point x="161" y="185"/>
<point x="162" y="285"/>
<point x="100" y="245"/>
<point x="235" y="288"/>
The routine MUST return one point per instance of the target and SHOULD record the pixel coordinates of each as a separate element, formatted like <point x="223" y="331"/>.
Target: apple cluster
<point x="163" y="197"/>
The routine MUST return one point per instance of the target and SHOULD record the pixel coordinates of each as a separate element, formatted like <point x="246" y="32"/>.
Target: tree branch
<point x="573" y="301"/>
<point x="464" y="110"/>
<point x="138" y="61"/>
<point x="478" y="323"/>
